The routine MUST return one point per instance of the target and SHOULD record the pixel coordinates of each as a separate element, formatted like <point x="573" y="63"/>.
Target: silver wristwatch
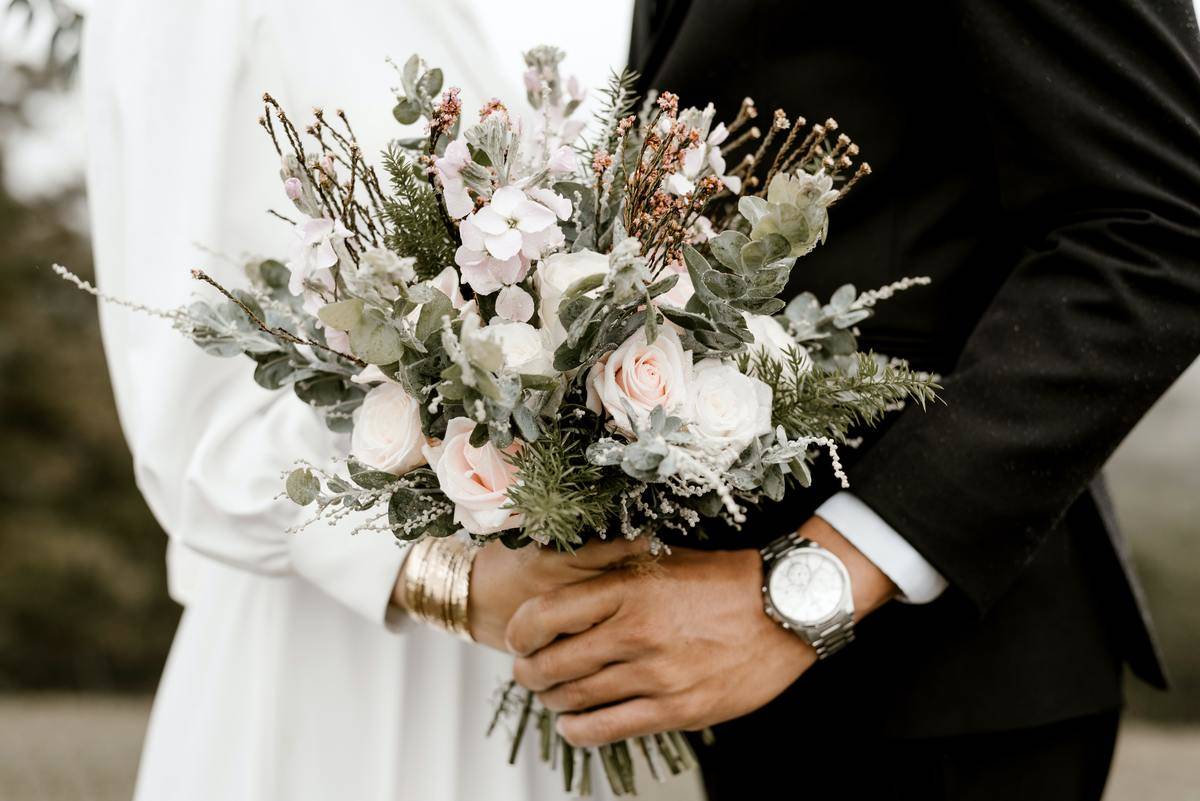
<point x="806" y="589"/>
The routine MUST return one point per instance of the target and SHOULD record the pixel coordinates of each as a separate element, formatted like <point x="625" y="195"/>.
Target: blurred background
<point x="85" y="622"/>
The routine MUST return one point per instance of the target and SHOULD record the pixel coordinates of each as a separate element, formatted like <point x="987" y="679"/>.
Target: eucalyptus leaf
<point x="430" y="83"/>
<point x="406" y="111"/>
<point x="375" y="340"/>
<point x="343" y="315"/>
<point x="432" y="312"/>
<point x="369" y="478"/>
<point x="302" y="486"/>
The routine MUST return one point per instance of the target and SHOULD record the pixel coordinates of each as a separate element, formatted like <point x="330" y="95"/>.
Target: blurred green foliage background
<point x="83" y="603"/>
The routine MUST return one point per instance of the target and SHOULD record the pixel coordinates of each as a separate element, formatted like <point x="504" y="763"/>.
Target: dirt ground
<point x="85" y="748"/>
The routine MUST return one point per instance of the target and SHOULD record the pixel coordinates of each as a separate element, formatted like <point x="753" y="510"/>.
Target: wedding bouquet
<point x="546" y="332"/>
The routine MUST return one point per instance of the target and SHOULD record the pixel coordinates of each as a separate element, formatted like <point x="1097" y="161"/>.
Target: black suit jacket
<point x="1037" y="159"/>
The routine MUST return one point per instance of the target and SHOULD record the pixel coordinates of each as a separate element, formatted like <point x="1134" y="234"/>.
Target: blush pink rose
<point x="476" y="480"/>
<point x="642" y="376"/>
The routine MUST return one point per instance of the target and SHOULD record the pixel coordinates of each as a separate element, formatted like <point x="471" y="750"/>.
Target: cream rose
<point x="476" y="480"/>
<point x="729" y="409"/>
<point x="554" y="276"/>
<point x="772" y="337"/>
<point x="387" y="430"/>
<point x="518" y="347"/>
<point x="642" y="376"/>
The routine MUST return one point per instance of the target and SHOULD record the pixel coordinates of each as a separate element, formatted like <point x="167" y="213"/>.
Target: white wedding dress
<point x="288" y="680"/>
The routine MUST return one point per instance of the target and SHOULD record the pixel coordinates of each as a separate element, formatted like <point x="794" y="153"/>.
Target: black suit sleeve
<point x="1095" y="133"/>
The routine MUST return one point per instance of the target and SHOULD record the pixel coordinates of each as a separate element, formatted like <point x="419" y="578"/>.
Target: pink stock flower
<point x="500" y="239"/>
<point x="449" y="169"/>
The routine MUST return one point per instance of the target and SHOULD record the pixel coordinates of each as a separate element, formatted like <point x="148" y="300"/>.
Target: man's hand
<point x="680" y="644"/>
<point x="502" y="579"/>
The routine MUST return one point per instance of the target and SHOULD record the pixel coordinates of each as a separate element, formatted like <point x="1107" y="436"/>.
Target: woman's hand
<point x="502" y="579"/>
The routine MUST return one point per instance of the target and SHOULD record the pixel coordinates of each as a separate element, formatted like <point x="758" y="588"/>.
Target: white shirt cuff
<point x="917" y="580"/>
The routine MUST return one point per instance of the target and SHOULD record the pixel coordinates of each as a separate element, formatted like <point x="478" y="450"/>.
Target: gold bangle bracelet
<point x="437" y="583"/>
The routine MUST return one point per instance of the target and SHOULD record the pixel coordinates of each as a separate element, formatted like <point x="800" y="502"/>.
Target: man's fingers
<point x="566" y="610"/>
<point x="617" y="682"/>
<point x="568" y="659"/>
<point x="635" y="718"/>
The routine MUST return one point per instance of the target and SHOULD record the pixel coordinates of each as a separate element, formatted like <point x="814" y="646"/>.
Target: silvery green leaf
<point x="843" y="297"/>
<point x="698" y="267"/>
<point x="408" y="75"/>
<point x="582" y="286"/>
<point x="274" y="371"/>
<point x="376" y="341"/>
<point x="743" y="478"/>
<point x="368" y="477"/>
<point x="324" y="389"/>
<point x="302" y="486"/>
<point x="526" y="422"/>
<point x="850" y="318"/>
<point x="768" y="307"/>
<point x="840" y="343"/>
<point x="773" y="484"/>
<point x="343" y="315"/>
<point x="687" y="320"/>
<point x="274" y="274"/>
<point x="752" y="208"/>
<point x="662" y="285"/>
<point x="727" y="249"/>
<point x="605" y="452"/>
<point x="406" y="111"/>
<point x="724" y="286"/>
<point x="651" y="325"/>
<point x="769" y="248"/>
<point x="430" y="83"/>
<point x="804" y="308"/>
<point x="432" y="313"/>
<point x="799" y="468"/>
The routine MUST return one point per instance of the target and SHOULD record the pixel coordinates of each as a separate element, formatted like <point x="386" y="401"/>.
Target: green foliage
<point x="414" y="221"/>
<point x="562" y="495"/>
<point x="814" y="402"/>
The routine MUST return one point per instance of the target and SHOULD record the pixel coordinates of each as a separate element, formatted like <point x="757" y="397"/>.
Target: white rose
<point x="642" y="376"/>
<point x="475" y="480"/>
<point x="554" y="276"/>
<point x="387" y="430"/>
<point x="729" y="409"/>
<point x="518" y="347"/>
<point x="772" y="337"/>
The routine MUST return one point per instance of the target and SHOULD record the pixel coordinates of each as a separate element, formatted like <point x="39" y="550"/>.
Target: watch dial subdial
<point x="806" y="587"/>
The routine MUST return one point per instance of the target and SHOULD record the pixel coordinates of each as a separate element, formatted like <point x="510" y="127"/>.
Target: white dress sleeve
<point x="175" y="159"/>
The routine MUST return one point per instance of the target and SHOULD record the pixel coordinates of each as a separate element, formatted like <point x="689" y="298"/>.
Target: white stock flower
<point x="554" y="275"/>
<point x="475" y="480"/>
<point x="449" y="169"/>
<point x="387" y="430"/>
<point x="314" y="252"/>
<point x="642" y="376"/>
<point x="729" y="409"/>
<point x="500" y="239"/>
<point x="707" y="154"/>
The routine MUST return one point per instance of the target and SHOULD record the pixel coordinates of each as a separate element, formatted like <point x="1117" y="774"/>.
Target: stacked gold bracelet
<point x="436" y="582"/>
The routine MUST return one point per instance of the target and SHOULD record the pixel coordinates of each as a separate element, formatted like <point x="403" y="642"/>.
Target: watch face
<point x="806" y="586"/>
